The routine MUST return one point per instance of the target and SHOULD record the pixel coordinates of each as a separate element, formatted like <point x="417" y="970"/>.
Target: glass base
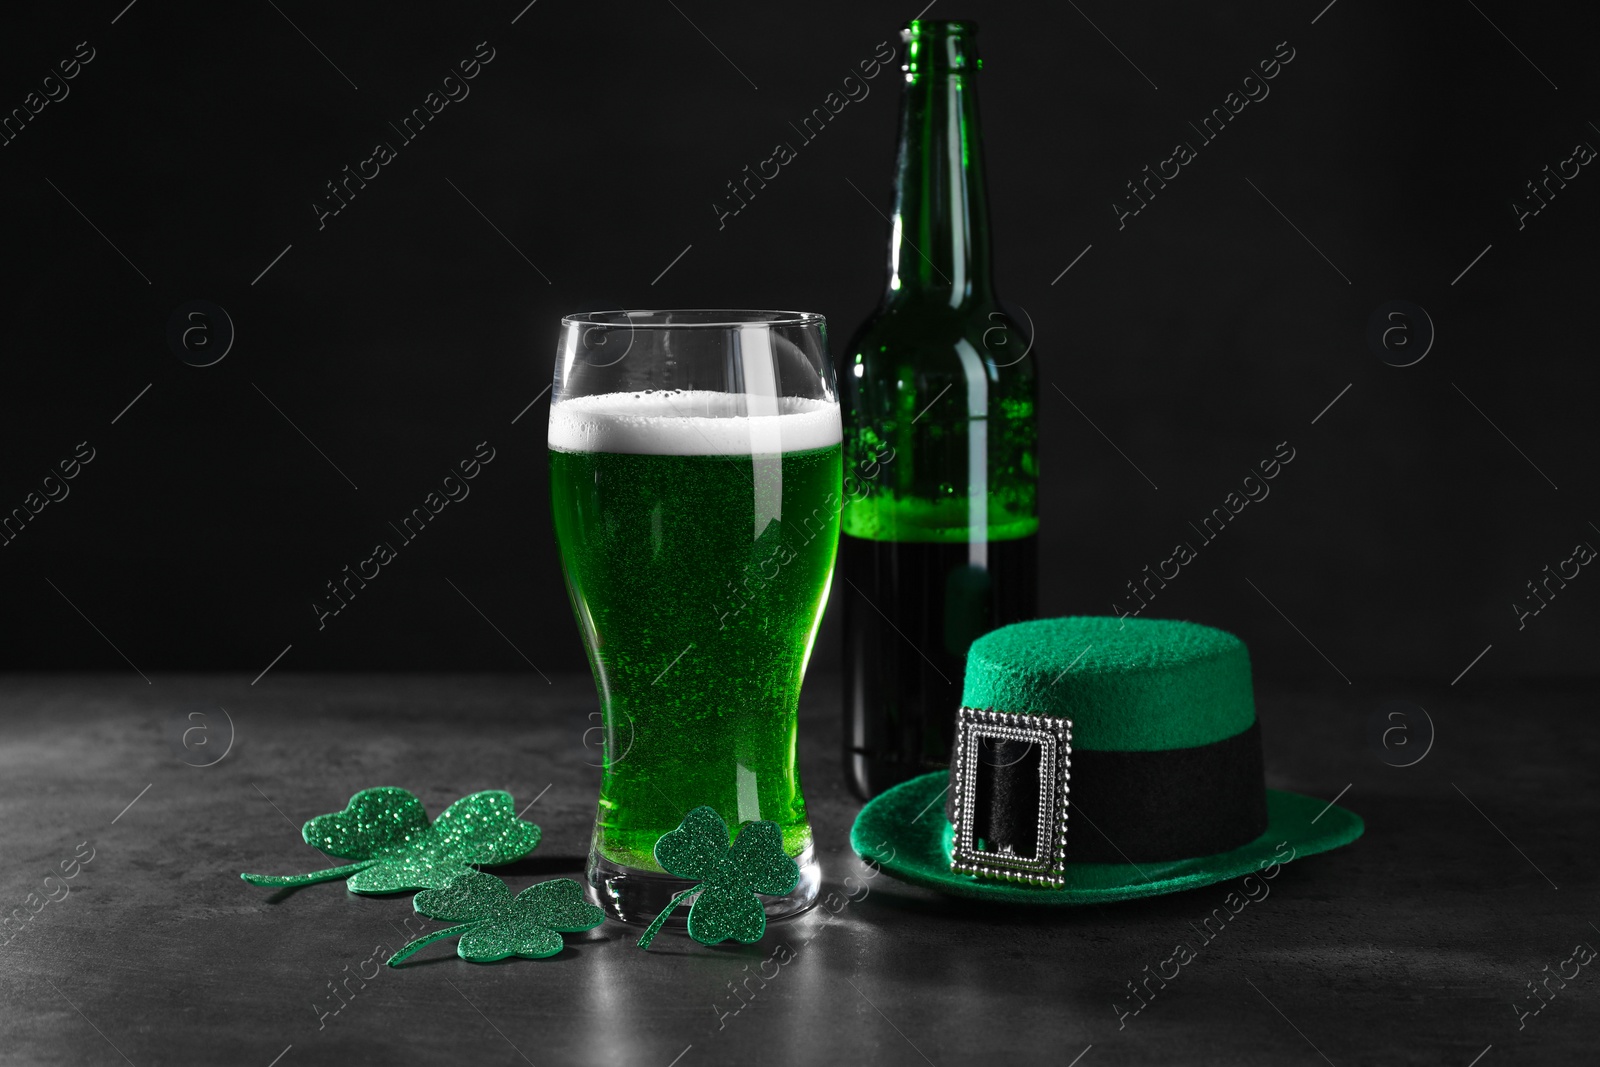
<point x="630" y="895"/>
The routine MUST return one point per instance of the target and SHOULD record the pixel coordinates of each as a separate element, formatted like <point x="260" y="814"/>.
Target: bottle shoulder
<point x="906" y="349"/>
<point x="896" y="328"/>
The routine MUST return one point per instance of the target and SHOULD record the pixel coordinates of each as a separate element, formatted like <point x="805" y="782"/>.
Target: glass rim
<point x="701" y="318"/>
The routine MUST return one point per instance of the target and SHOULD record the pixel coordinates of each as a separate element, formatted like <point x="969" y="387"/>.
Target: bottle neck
<point x="939" y="249"/>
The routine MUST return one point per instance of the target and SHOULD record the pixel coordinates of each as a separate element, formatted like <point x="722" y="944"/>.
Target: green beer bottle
<point x="938" y="397"/>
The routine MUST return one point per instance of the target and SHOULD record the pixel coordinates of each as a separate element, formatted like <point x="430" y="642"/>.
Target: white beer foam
<point x="692" y="422"/>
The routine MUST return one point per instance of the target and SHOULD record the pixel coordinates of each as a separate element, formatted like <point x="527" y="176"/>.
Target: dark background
<point x="407" y="330"/>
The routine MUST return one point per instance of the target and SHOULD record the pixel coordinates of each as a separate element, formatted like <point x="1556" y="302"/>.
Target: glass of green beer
<point x="695" y="483"/>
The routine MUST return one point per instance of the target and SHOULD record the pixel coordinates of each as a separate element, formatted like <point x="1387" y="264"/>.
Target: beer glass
<point x="695" y="484"/>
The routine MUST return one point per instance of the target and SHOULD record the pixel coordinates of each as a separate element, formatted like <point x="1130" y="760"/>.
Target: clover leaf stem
<point x="655" y="927"/>
<point x="329" y="875"/>
<point x="426" y="939"/>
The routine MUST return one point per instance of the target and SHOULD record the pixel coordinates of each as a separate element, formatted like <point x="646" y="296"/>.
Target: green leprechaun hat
<point x="1098" y="759"/>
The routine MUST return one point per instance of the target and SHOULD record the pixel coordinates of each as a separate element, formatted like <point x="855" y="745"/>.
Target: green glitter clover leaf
<point x="729" y="877"/>
<point x="494" y="924"/>
<point x="387" y="833"/>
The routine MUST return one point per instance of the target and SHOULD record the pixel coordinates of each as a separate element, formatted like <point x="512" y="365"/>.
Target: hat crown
<point x="1127" y="684"/>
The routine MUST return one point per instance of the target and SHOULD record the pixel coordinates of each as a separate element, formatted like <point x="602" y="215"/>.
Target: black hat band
<point x="1011" y="805"/>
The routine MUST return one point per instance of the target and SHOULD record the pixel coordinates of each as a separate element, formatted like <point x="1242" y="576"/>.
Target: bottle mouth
<point x="929" y="28"/>
<point x="940" y="45"/>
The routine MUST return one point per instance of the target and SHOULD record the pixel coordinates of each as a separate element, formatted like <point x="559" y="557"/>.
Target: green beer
<point x="697" y="532"/>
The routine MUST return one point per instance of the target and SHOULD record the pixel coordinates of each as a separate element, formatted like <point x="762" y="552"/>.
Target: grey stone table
<point x="1414" y="946"/>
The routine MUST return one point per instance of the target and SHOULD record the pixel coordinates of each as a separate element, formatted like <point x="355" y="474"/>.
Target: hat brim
<point x="904" y="831"/>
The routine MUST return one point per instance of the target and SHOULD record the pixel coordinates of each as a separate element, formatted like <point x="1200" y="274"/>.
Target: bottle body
<point x="903" y="683"/>
<point x="938" y="539"/>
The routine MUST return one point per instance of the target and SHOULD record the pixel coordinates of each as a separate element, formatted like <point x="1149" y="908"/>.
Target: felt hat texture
<point x="1166" y="788"/>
